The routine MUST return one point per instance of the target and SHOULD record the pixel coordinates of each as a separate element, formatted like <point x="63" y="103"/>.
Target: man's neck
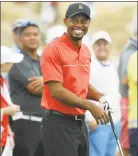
<point x="75" y="43"/>
<point x="31" y="52"/>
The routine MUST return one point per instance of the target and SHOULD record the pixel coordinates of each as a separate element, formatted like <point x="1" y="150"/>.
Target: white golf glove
<point x="107" y="104"/>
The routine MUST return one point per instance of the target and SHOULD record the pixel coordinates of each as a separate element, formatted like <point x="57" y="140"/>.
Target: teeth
<point x="78" y="31"/>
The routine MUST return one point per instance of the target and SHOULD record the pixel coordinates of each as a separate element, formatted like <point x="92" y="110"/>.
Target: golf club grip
<point x="112" y="124"/>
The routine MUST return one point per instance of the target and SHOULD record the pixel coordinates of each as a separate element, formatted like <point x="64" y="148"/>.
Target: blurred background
<point x="113" y="17"/>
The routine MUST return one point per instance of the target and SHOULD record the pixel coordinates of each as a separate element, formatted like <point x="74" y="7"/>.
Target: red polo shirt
<point x="62" y="61"/>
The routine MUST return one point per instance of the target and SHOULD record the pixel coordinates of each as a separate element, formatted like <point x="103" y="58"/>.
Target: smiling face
<point x="77" y="26"/>
<point x="102" y="49"/>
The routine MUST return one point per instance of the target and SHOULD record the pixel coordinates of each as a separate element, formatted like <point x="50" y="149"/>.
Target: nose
<point x="79" y="23"/>
<point x="102" y="46"/>
<point x="32" y="37"/>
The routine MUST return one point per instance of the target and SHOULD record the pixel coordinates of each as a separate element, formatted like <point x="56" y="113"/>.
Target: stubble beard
<point x="76" y="38"/>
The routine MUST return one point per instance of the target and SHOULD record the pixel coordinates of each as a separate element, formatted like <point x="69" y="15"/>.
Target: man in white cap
<point x="7" y="107"/>
<point x="105" y="79"/>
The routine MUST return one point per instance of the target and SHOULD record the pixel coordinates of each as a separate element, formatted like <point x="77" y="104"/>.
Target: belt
<point x="20" y="115"/>
<point x="73" y="117"/>
<point x="32" y="118"/>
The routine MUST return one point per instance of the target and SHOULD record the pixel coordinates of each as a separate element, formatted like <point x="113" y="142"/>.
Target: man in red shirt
<point x="65" y="65"/>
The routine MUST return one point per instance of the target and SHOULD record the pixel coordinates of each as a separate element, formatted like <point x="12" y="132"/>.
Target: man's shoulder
<point x="128" y="49"/>
<point x="21" y="66"/>
<point x="86" y="49"/>
<point x="84" y="45"/>
<point x="52" y="47"/>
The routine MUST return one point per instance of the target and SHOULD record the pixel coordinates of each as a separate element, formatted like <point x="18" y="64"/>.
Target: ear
<point x="66" y="21"/>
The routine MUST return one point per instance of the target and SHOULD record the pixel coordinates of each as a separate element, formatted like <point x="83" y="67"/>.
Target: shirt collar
<point x="68" y="42"/>
<point x="104" y="63"/>
<point x="29" y="57"/>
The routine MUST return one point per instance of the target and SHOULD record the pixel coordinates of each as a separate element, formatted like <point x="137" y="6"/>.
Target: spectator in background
<point x="26" y="86"/>
<point x="132" y="112"/>
<point x="128" y="50"/>
<point x="104" y="78"/>
<point x="6" y="105"/>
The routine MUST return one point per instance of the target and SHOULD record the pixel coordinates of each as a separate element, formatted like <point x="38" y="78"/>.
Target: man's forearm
<point x="68" y="98"/>
<point x="93" y="94"/>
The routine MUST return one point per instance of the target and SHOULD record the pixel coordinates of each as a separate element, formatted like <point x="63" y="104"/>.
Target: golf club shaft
<point x="116" y="137"/>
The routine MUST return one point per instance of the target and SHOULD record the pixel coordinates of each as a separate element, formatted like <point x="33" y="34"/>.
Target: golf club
<point x="116" y="137"/>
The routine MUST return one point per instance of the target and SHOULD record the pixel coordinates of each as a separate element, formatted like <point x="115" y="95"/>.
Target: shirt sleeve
<point x="51" y="65"/>
<point x="17" y="75"/>
<point x="123" y="63"/>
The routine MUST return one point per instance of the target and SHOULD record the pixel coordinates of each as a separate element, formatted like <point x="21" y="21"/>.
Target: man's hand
<point x="36" y="82"/>
<point x="36" y="85"/>
<point x="11" y="110"/>
<point x="98" y="113"/>
<point x="106" y="104"/>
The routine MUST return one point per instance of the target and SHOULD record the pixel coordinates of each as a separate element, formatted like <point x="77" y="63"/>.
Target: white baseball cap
<point x="54" y="32"/>
<point x="101" y="35"/>
<point x="8" y="56"/>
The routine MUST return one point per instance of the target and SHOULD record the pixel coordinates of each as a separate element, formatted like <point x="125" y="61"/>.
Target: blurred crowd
<point x="22" y="85"/>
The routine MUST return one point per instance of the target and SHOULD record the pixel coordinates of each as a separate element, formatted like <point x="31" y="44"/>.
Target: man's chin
<point x="33" y="47"/>
<point x="77" y="38"/>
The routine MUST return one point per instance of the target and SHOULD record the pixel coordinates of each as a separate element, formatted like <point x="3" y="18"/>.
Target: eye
<point x="85" y="21"/>
<point x="73" y="20"/>
<point x="27" y="34"/>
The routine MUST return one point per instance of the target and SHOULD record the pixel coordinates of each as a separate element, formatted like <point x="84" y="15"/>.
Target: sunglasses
<point x="28" y="23"/>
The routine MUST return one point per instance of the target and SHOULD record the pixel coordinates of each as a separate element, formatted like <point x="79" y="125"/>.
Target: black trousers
<point x="27" y="138"/>
<point x="133" y="139"/>
<point x="62" y="136"/>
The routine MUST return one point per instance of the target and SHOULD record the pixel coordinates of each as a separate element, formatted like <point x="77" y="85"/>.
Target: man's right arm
<point x="16" y="73"/>
<point x="66" y="97"/>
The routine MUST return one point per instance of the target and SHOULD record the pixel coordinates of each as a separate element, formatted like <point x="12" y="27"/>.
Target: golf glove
<point x="106" y="104"/>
